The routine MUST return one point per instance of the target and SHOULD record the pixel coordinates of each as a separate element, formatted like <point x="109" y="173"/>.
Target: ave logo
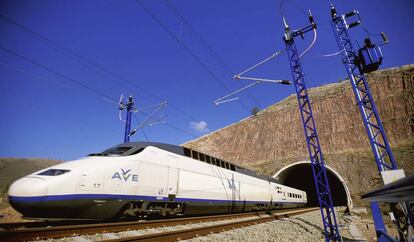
<point x="125" y="176"/>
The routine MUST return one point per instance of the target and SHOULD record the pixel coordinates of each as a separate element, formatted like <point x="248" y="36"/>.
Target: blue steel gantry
<point x="315" y="152"/>
<point x="367" y="59"/>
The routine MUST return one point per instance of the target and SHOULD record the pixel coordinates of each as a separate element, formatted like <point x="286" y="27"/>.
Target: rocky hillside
<point x="276" y="132"/>
<point x="274" y="137"/>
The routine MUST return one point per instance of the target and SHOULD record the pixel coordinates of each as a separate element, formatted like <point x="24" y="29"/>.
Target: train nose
<point x="27" y="190"/>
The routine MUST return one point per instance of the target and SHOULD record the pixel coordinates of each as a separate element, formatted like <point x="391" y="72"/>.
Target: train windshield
<point x="119" y="151"/>
<point x="53" y="172"/>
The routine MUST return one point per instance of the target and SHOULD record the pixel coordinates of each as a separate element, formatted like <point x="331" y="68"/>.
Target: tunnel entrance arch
<point x="299" y="175"/>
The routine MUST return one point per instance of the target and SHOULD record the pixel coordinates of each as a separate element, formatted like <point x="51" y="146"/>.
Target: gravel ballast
<point x="305" y="227"/>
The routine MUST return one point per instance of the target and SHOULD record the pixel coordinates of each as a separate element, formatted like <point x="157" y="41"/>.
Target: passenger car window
<point x="195" y="154"/>
<point x="187" y="152"/>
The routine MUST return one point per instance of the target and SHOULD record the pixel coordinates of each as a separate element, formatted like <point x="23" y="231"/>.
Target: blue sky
<point x="53" y="113"/>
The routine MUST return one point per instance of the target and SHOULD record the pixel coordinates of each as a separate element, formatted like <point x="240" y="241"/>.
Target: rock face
<point x="276" y="132"/>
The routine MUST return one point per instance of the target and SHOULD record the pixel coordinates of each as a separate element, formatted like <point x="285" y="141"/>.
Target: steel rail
<point x="83" y="229"/>
<point x="44" y="223"/>
<point x="201" y="231"/>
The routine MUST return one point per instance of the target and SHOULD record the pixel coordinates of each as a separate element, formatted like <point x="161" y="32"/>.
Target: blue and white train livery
<point x="142" y="178"/>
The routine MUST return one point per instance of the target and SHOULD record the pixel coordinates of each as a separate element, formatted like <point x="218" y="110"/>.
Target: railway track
<point x="39" y="224"/>
<point x="85" y="229"/>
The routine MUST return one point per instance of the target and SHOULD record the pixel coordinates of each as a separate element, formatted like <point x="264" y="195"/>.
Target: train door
<point x="173" y="175"/>
<point x="172" y="182"/>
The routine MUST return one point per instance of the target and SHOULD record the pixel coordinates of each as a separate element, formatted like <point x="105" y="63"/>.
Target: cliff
<point x="276" y="132"/>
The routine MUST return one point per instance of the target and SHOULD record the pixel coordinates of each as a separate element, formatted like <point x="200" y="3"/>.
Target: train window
<point x="218" y="162"/>
<point x="208" y="159"/>
<point x="223" y="164"/>
<point x="194" y="154"/>
<point x="53" y="172"/>
<point x="227" y="165"/>
<point x="202" y="157"/>
<point x="187" y="152"/>
<point x="232" y="167"/>
<point x="137" y="151"/>
<point x="213" y="161"/>
<point x="119" y="150"/>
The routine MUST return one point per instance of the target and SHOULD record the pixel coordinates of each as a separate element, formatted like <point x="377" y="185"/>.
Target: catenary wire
<point x="217" y="57"/>
<point x="198" y="60"/>
<point x="174" y="127"/>
<point x="33" y="74"/>
<point x="74" y="54"/>
<point x="139" y="124"/>
<point x="311" y="45"/>
<point x="102" y="68"/>
<point x="99" y="93"/>
<point x="104" y="96"/>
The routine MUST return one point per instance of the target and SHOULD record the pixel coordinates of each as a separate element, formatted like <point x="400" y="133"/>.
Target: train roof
<point x="131" y="148"/>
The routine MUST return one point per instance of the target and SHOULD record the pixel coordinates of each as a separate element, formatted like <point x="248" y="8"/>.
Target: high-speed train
<point x="144" y="178"/>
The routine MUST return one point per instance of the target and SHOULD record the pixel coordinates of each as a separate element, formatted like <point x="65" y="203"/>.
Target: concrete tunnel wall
<point x="299" y="175"/>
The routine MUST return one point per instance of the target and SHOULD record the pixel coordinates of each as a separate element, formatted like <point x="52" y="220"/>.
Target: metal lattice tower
<point x="372" y="122"/>
<point x="312" y="140"/>
<point x="381" y="149"/>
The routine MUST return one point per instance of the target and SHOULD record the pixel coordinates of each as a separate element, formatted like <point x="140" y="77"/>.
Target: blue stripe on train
<point x="123" y="197"/>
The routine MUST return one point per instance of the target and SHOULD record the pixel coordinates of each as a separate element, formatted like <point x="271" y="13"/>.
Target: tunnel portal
<point x="299" y="175"/>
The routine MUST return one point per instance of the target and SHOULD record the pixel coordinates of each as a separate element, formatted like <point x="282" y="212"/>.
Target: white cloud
<point x="200" y="126"/>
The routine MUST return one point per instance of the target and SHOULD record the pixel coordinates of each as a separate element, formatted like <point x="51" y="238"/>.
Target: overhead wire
<point x="174" y="127"/>
<point x="311" y="45"/>
<point x="219" y="60"/>
<point x="188" y="50"/>
<point x="72" y="53"/>
<point x="99" y="93"/>
<point x="139" y="123"/>
<point x="33" y="74"/>
<point x="181" y="130"/>
<point x="75" y="56"/>
<point x="332" y="54"/>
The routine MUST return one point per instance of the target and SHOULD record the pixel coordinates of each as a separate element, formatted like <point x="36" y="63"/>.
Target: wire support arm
<point x="258" y="64"/>
<point x="149" y="119"/>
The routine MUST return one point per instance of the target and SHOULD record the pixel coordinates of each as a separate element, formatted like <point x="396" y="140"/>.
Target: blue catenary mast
<point x="312" y="140"/>
<point x="129" y="108"/>
<point x="365" y="60"/>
